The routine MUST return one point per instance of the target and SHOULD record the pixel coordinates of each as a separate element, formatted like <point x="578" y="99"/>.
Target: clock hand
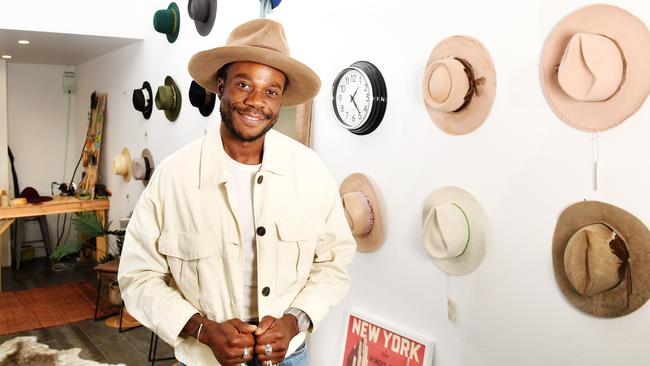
<point x="355" y="93"/>
<point x="355" y="105"/>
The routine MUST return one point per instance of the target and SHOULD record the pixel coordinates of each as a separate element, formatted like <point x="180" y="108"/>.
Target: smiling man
<point x="239" y="245"/>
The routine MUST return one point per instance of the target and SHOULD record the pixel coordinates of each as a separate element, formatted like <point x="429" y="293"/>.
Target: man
<point x="239" y="245"/>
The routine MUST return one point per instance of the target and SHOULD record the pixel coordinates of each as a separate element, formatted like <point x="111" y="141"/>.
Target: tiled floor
<point x="97" y="341"/>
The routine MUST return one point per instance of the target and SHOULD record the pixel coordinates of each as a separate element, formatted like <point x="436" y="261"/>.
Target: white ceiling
<point x="56" y="48"/>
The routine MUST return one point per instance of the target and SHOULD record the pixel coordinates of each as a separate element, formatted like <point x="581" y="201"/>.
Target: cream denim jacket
<point x="183" y="254"/>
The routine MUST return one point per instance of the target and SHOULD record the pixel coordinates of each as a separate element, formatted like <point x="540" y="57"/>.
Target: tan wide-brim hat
<point x="454" y="227"/>
<point x="122" y="164"/>
<point x="468" y="67"/>
<point x="635" y="234"/>
<point x="262" y="41"/>
<point x="628" y="35"/>
<point x="363" y="212"/>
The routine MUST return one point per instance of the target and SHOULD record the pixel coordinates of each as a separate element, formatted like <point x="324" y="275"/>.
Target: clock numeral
<point x="367" y="98"/>
<point x="346" y="115"/>
<point x="353" y="119"/>
<point x="365" y="89"/>
<point x="365" y="108"/>
<point x="340" y="97"/>
<point x="342" y="108"/>
<point x="342" y="88"/>
<point x="347" y="80"/>
<point x="354" y="78"/>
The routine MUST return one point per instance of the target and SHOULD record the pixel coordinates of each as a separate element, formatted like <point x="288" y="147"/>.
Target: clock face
<point x="353" y="98"/>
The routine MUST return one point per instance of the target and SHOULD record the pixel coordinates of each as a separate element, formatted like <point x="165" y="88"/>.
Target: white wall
<point x="524" y="165"/>
<point x="38" y="118"/>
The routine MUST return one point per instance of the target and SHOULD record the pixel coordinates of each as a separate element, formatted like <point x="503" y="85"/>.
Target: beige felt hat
<point x="601" y="259"/>
<point x="595" y="67"/>
<point x="262" y="41"/>
<point x="143" y="166"/>
<point x="363" y="212"/>
<point x="459" y="85"/>
<point x="454" y="227"/>
<point x="122" y="164"/>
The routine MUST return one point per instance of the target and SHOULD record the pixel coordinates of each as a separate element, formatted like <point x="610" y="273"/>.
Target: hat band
<point x="469" y="231"/>
<point x="371" y="212"/>
<point x="147" y="168"/>
<point x="472" y="84"/>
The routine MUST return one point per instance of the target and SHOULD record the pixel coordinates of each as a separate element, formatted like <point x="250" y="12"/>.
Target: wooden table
<point x="58" y="205"/>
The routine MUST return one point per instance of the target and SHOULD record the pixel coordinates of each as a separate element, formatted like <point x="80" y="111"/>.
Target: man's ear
<point x="219" y="87"/>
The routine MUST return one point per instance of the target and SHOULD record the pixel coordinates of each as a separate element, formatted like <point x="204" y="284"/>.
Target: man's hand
<point x="227" y="340"/>
<point x="277" y="333"/>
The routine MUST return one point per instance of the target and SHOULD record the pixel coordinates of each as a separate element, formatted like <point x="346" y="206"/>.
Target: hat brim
<point x="146" y="153"/>
<point x="473" y="255"/>
<point x="632" y="38"/>
<point x="611" y="303"/>
<point x="476" y="112"/>
<point x="204" y="28"/>
<point x="127" y="176"/>
<point x="375" y="238"/>
<point x="171" y="38"/>
<point x="147" y="112"/>
<point x="172" y="114"/>
<point x="206" y="109"/>
<point x="303" y="86"/>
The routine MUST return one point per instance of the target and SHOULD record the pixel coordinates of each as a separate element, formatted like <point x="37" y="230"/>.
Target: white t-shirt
<point x="243" y="179"/>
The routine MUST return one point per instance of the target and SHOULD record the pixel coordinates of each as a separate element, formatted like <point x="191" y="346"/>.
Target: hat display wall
<point x="262" y="41"/>
<point x="594" y="67"/>
<point x="203" y="12"/>
<point x="202" y="99"/>
<point x="122" y="164"/>
<point x="363" y="212"/>
<point x="143" y="166"/>
<point x="168" y="21"/>
<point x="459" y="85"/>
<point x="168" y="99"/>
<point x="454" y="227"/>
<point x="143" y="99"/>
<point x="601" y="259"/>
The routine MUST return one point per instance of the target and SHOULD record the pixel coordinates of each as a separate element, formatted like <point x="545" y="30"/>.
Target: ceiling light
<point x="6" y="56"/>
<point x="23" y="41"/>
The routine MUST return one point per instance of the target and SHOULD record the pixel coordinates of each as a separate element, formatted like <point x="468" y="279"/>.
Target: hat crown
<point x="358" y="212"/>
<point x="198" y="96"/>
<point x="165" y="97"/>
<point x="121" y="164"/>
<point x="446" y="84"/>
<point x="164" y="21"/>
<point x="199" y="10"/>
<point x="591" y="69"/>
<point x="141" y="168"/>
<point x="446" y="232"/>
<point x="590" y="261"/>
<point x="262" y="33"/>
<point x="139" y="100"/>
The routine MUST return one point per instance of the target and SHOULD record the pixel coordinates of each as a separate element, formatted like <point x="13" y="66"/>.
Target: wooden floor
<point x="97" y="341"/>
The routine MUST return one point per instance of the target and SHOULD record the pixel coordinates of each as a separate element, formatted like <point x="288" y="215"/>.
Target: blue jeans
<point x="299" y="358"/>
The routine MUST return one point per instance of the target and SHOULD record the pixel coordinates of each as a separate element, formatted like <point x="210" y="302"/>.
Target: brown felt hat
<point x="362" y="210"/>
<point x="594" y="67"/>
<point x="262" y="41"/>
<point x="601" y="259"/>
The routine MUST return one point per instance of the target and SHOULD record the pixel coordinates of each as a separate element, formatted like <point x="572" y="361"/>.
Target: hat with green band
<point x="168" y="99"/>
<point x="168" y="21"/>
<point x="453" y="230"/>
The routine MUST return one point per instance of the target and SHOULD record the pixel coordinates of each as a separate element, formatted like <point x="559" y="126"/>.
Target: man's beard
<point x="227" y="111"/>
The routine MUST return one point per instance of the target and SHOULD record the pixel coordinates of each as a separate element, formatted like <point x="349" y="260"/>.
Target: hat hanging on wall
<point x="143" y="167"/>
<point x="143" y="99"/>
<point x="202" y="99"/>
<point x="262" y="41"/>
<point x="168" y="99"/>
<point x="168" y="21"/>
<point x="601" y="259"/>
<point x="363" y="212"/>
<point x="594" y="67"/>
<point x="459" y="85"/>
<point x="454" y="227"/>
<point x="203" y="12"/>
<point x="122" y="164"/>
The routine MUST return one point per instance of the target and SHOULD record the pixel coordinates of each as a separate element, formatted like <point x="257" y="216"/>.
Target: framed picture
<point x="369" y="342"/>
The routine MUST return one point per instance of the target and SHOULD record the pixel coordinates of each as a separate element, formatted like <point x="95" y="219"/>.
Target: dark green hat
<point x="168" y="99"/>
<point x="168" y="21"/>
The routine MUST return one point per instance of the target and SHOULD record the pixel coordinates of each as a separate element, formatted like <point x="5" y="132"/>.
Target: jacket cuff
<point x="173" y="321"/>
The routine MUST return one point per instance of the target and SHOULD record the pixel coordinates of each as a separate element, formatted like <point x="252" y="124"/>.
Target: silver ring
<point x="268" y="363"/>
<point x="268" y="349"/>
<point x="247" y="352"/>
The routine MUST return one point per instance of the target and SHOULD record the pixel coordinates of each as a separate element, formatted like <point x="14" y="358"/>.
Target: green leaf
<point x="88" y="223"/>
<point x="66" y="249"/>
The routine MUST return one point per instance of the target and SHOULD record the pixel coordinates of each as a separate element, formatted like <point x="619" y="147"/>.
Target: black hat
<point x="202" y="99"/>
<point x="142" y="101"/>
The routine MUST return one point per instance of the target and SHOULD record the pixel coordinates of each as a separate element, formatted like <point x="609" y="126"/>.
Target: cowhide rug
<point x="26" y="351"/>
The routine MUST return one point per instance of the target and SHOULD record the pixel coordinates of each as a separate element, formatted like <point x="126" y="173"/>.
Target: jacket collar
<point x="213" y="169"/>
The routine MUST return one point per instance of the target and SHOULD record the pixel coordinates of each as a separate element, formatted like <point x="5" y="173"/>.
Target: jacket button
<point x="261" y="230"/>
<point x="266" y="291"/>
<point x="260" y="179"/>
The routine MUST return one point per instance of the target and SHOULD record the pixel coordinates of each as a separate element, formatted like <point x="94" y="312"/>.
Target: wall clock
<point x="359" y="97"/>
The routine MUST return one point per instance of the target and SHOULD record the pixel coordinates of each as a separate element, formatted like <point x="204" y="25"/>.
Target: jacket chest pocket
<point x="184" y="252"/>
<point x="297" y="238"/>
